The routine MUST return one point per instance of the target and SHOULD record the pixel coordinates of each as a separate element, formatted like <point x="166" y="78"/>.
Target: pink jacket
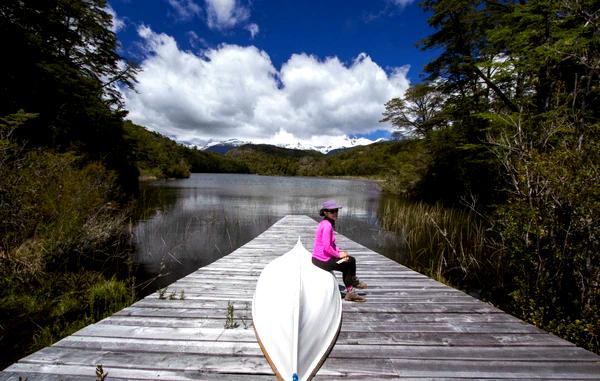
<point x="325" y="248"/>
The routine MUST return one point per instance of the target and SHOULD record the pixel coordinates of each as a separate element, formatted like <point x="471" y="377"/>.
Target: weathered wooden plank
<point x="465" y="353"/>
<point x="348" y="351"/>
<point x="375" y="296"/>
<point x="422" y="308"/>
<point x="121" y="376"/>
<point x="77" y="372"/>
<point x="387" y="308"/>
<point x="347" y="325"/>
<point x="199" y="362"/>
<point x="373" y="288"/>
<point x="148" y="345"/>
<point x="251" y="275"/>
<point x="166" y="333"/>
<point x="383" y="318"/>
<point x="345" y="337"/>
<point x="450" y="339"/>
<point x="496" y="369"/>
<point x="152" y="360"/>
<point x="384" y="302"/>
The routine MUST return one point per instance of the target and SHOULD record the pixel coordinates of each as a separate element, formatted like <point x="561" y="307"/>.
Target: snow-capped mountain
<point x="347" y="142"/>
<point x="223" y="146"/>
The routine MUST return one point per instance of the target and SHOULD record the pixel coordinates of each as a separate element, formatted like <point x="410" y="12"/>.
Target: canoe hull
<point x="297" y="314"/>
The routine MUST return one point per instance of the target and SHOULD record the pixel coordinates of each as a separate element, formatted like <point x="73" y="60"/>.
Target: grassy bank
<point x="64" y="250"/>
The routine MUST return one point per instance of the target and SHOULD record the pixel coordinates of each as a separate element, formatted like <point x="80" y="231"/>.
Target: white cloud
<point x="236" y="92"/>
<point x="196" y="41"/>
<point x="225" y="14"/>
<point x="402" y="3"/>
<point x="185" y="9"/>
<point x="117" y="23"/>
<point x="253" y="29"/>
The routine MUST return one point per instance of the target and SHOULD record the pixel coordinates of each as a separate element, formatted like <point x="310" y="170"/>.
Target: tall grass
<point x="64" y="246"/>
<point x="450" y="245"/>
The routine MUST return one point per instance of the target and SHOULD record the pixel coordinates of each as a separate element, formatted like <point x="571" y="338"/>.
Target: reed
<point x="450" y="245"/>
<point x="230" y="322"/>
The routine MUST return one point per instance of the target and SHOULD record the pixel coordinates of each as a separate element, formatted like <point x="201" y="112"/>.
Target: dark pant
<point x="348" y="268"/>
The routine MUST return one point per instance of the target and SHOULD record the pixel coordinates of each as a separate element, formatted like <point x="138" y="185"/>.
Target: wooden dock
<point x="411" y="327"/>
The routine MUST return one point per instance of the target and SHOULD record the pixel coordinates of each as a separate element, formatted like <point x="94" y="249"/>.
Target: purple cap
<point x="331" y="204"/>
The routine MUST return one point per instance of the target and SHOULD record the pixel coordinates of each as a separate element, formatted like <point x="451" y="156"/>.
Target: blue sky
<point x="275" y="72"/>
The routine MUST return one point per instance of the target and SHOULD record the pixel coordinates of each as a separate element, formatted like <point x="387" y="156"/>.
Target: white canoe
<point x="297" y="314"/>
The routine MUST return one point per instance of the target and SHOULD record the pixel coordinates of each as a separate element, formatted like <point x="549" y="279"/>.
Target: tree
<point x="462" y="28"/>
<point x="418" y="112"/>
<point x="549" y="152"/>
<point x="462" y="166"/>
<point x="64" y="67"/>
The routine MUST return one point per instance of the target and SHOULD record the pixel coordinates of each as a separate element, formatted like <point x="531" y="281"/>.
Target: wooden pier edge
<point x="411" y="327"/>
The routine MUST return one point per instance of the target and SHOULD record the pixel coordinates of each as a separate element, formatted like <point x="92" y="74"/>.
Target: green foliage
<point x="63" y="162"/>
<point x="372" y="160"/>
<point x="64" y="67"/>
<point x="519" y="82"/>
<point x="59" y="233"/>
<point x="56" y="305"/>
<point x="271" y="160"/>
<point x="155" y="155"/>
<point x="210" y="162"/>
<point x="550" y="228"/>
<point x="47" y="197"/>
<point x="230" y="322"/>
<point x="418" y="112"/>
<point x="400" y="163"/>
<point x="107" y="296"/>
<point x="460" y="170"/>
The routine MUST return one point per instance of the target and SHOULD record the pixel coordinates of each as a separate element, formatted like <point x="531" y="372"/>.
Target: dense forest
<point x="509" y="117"/>
<point x="504" y="132"/>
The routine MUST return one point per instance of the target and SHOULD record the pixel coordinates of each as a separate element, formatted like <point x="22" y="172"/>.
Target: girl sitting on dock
<point x="328" y="256"/>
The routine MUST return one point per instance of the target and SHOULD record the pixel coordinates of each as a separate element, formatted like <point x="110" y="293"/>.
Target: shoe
<point x="354" y="297"/>
<point x="359" y="284"/>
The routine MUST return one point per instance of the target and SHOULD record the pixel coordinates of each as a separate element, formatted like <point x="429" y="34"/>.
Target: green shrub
<point x="549" y="228"/>
<point x="107" y="297"/>
<point x="60" y="235"/>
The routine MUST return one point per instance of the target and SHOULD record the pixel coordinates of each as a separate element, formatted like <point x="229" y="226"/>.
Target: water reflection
<point x="187" y="224"/>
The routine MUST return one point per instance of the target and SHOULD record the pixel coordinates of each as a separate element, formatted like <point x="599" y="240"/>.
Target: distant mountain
<point x="225" y="146"/>
<point x="271" y="160"/>
<point x="343" y="149"/>
<point x="272" y="150"/>
<point x="345" y="144"/>
<point x="374" y="160"/>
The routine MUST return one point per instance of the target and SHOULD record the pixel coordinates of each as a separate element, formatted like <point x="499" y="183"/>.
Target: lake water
<point x="187" y="224"/>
